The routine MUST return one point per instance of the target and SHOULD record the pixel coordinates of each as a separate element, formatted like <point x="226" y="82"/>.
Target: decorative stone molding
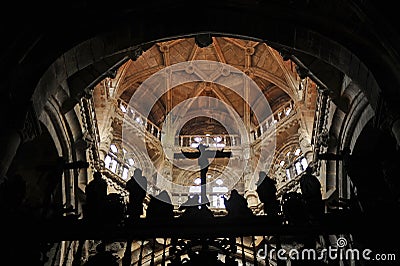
<point x="252" y="198"/>
<point x="305" y="144"/>
<point x="31" y="127"/>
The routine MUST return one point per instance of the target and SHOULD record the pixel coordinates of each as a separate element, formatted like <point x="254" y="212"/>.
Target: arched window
<point x="292" y="163"/>
<point x="217" y="192"/>
<point x="118" y="161"/>
<point x="214" y="193"/>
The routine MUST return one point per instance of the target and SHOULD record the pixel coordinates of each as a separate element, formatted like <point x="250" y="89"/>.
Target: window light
<point x="113" y="148"/>
<point x="194" y="145"/>
<point x="194" y="189"/>
<point x="107" y="161"/>
<point x="219" y="182"/>
<point x="304" y="163"/>
<point x="114" y="165"/>
<point x="198" y="139"/>
<point x="219" y="189"/>
<point x="139" y="120"/>
<point x="298" y="167"/>
<point x="217" y="139"/>
<point x="125" y="173"/>
<point x="288" y="173"/>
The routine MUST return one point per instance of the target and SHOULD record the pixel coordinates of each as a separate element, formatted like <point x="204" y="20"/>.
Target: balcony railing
<point x="175" y="241"/>
<point x="136" y="118"/>
<point x="274" y="120"/>
<point x="212" y="141"/>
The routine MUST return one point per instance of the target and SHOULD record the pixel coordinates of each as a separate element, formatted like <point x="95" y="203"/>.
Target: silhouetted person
<point x="205" y="212"/>
<point x="266" y="190"/>
<point x="193" y="210"/>
<point x="160" y="207"/>
<point x="115" y="209"/>
<point x="137" y="188"/>
<point x="237" y="206"/>
<point x="191" y="207"/>
<point x="96" y="197"/>
<point x="294" y="209"/>
<point x="311" y="192"/>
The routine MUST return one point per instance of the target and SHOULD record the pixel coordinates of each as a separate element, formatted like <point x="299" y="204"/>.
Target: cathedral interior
<point x="289" y="89"/>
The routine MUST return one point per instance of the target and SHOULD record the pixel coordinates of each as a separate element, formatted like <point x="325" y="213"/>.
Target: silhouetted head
<point x="164" y="196"/>
<point x="261" y="177"/>
<point x="137" y="172"/>
<point x="97" y="175"/>
<point x="309" y="170"/>
<point x="202" y="147"/>
<point x="101" y="247"/>
<point x="194" y="200"/>
<point x="234" y="192"/>
<point x="196" y="197"/>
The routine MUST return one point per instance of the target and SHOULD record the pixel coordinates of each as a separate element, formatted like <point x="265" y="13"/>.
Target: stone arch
<point x="100" y="50"/>
<point x="348" y="52"/>
<point x="67" y="133"/>
<point x="345" y="127"/>
<point x="72" y="66"/>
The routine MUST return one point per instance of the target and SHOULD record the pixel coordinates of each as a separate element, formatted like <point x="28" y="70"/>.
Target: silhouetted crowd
<point x="103" y="208"/>
<point x="111" y="208"/>
<point x="295" y="208"/>
<point x="302" y="207"/>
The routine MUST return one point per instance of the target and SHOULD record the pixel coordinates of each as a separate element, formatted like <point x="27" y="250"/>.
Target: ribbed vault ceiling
<point x="273" y="76"/>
